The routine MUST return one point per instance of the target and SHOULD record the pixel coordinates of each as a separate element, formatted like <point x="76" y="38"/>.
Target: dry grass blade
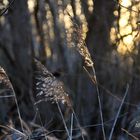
<point x="134" y="137"/>
<point x="7" y="85"/>
<point x="82" y="49"/>
<point x="48" y="87"/>
<point x="10" y="133"/>
<point x="117" y="115"/>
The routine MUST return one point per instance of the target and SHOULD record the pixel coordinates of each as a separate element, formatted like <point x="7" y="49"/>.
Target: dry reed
<point x="48" y="87"/>
<point x="83" y="50"/>
<point x="5" y="82"/>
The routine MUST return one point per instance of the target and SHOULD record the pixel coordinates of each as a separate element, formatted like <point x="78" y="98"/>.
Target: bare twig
<point x="7" y="96"/>
<point x="6" y="9"/>
<point x="126" y="7"/>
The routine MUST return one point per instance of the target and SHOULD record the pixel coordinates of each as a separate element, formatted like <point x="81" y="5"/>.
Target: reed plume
<point x="4" y="80"/>
<point x="48" y="87"/>
<point x="82" y="48"/>
<point x="80" y="42"/>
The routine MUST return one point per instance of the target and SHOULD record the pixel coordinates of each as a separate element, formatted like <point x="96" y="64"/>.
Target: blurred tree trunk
<point x="22" y="47"/>
<point x="136" y="78"/>
<point x="98" y="35"/>
<point x="18" y="59"/>
<point x="40" y="16"/>
<point x="60" y="46"/>
<point x="99" y="25"/>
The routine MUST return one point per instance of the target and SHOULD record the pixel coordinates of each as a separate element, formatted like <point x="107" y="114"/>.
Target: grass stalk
<point x="66" y="128"/>
<point x="71" y="128"/>
<point x="18" y="111"/>
<point x="81" y="129"/>
<point x="117" y="115"/>
<point x="99" y="101"/>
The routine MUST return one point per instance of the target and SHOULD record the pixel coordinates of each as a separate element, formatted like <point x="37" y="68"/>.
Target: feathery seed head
<point x="48" y="87"/>
<point x="81" y="46"/>
<point x="4" y="80"/>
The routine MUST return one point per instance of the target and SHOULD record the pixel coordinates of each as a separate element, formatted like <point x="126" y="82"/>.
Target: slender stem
<point x="7" y="96"/>
<point x="14" y="96"/>
<point x="18" y="111"/>
<point x="71" y="128"/>
<point x="37" y="109"/>
<point x="63" y="119"/>
<point x="119" y="110"/>
<point x="134" y="137"/>
<point x="81" y="129"/>
<point x="99" y="100"/>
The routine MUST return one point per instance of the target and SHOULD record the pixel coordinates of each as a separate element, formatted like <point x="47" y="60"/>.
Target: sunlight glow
<point x="78" y="7"/>
<point x="126" y="3"/>
<point x="90" y="4"/>
<point x="50" y="22"/>
<point x="128" y="40"/>
<point x="31" y="5"/>
<point x="115" y="13"/>
<point x="123" y="22"/>
<point x="5" y="2"/>
<point x="127" y="23"/>
<point x="113" y="34"/>
<point x="48" y="51"/>
<point x="67" y="19"/>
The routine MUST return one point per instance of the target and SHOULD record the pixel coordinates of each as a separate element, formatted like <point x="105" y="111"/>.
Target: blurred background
<point x="43" y="29"/>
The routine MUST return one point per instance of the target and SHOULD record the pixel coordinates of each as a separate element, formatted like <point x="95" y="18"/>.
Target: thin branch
<point x="126" y="7"/>
<point x="7" y="96"/>
<point x="6" y="9"/>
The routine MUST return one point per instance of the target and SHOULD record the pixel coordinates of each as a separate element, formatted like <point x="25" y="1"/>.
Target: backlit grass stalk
<point x="82" y="49"/>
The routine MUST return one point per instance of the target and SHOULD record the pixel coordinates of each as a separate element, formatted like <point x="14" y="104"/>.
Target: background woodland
<point x="47" y="30"/>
